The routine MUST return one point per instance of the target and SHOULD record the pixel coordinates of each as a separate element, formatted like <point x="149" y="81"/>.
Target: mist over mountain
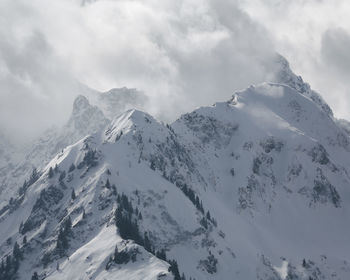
<point x="180" y="54"/>
<point x="252" y="187"/>
<point x="174" y="140"/>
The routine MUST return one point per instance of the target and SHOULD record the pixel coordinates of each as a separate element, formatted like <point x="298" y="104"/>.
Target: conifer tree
<point x="108" y="184"/>
<point x="62" y="176"/>
<point x="62" y="239"/>
<point x="147" y="243"/>
<point x="73" y="195"/>
<point x="161" y="254"/>
<point x="153" y="165"/>
<point x="71" y="168"/>
<point x="35" y="276"/>
<point x="174" y="269"/>
<point x="208" y="215"/>
<point x="17" y="253"/>
<point x="51" y="172"/>
<point x="24" y="242"/>
<point x="116" y="252"/>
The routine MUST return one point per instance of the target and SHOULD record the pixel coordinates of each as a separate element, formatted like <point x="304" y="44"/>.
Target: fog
<point x="181" y="54"/>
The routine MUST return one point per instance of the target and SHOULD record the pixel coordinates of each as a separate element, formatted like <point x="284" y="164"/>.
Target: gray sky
<point x="182" y="54"/>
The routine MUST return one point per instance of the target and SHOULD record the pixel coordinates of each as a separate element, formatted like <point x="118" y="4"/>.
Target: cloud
<point x="181" y="54"/>
<point x="33" y="81"/>
<point x="185" y="53"/>
<point x="335" y="47"/>
<point x="312" y="35"/>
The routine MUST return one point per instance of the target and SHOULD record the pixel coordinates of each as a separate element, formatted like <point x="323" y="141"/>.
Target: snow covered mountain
<point x="253" y="188"/>
<point x="118" y="100"/>
<point x="16" y="165"/>
<point x="6" y="156"/>
<point x="284" y="75"/>
<point x="5" y="151"/>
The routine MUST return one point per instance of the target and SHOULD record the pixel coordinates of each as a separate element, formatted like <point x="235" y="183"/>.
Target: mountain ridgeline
<point x="256" y="187"/>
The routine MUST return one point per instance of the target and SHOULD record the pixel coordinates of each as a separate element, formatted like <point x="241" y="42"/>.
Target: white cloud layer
<point x="182" y="53"/>
<point x="314" y="35"/>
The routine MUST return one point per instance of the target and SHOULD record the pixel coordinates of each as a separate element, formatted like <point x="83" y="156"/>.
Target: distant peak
<point x="118" y="100"/>
<point x="233" y="99"/>
<point x="85" y="118"/>
<point x="122" y="90"/>
<point x="80" y="102"/>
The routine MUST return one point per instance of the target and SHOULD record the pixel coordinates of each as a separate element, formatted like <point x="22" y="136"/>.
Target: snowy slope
<point x="85" y="119"/>
<point x="270" y="165"/>
<point x="6" y="159"/>
<point x="16" y="165"/>
<point x="253" y="188"/>
<point x="5" y="151"/>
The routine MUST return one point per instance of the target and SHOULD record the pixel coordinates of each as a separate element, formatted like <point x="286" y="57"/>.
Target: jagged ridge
<point x="249" y="187"/>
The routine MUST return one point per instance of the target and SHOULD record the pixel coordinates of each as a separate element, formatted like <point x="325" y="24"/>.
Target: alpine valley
<point x="255" y="187"/>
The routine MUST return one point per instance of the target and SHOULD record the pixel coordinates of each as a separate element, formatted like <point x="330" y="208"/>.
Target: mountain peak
<point x="284" y="75"/>
<point x="241" y="188"/>
<point x="130" y="120"/>
<point x="80" y="103"/>
<point x="85" y="116"/>
<point x="118" y="100"/>
<point x="137" y="117"/>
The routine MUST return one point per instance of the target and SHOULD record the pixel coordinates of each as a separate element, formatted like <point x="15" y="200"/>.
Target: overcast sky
<point x="181" y="54"/>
